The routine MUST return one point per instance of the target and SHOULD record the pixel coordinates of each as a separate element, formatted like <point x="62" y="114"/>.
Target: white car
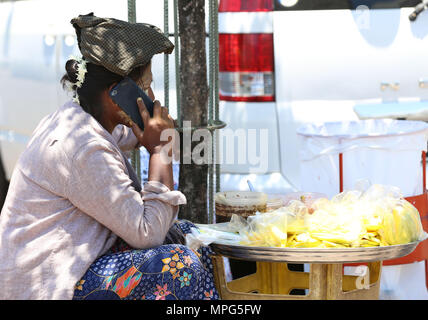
<point x="283" y="63"/>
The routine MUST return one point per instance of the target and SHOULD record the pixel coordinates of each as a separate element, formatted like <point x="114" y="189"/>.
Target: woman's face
<point x="144" y="82"/>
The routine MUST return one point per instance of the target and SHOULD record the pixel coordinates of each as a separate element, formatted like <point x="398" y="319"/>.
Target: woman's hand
<point x="151" y="139"/>
<point x="153" y="126"/>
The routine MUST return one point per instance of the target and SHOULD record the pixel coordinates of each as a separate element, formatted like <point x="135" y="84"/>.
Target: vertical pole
<point x="166" y="56"/>
<point x="216" y="93"/>
<point x="132" y="17"/>
<point x="194" y="100"/>
<point x="135" y="156"/>
<point x="177" y="64"/>
<point x="213" y="112"/>
<point x="210" y="111"/>
<point x="213" y="105"/>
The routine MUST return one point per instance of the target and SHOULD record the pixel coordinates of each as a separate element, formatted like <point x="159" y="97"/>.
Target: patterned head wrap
<point x="117" y="45"/>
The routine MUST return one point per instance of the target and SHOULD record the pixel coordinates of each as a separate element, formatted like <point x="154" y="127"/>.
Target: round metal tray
<point x="314" y="255"/>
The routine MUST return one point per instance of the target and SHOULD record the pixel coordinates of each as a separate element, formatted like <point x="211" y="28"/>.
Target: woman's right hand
<point x="153" y="126"/>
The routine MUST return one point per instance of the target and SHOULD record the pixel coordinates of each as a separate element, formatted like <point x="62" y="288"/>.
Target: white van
<point x="327" y="57"/>
<point x="283" y="63"/>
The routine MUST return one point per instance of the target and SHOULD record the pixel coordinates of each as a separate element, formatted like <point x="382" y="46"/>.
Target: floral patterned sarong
<point x="168" y="272"/>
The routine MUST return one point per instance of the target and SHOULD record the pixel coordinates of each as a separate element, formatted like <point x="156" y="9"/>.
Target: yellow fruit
<point x="329" y="244"/>
<point x="401" y="225"/>
<point x="368" y="243"/>
<point x="296" y="226"/>
<point x="303" y="240"/>
<point x="371" y="237"/>
<point x="372" y="227"/>
<point x="333" y="238"/>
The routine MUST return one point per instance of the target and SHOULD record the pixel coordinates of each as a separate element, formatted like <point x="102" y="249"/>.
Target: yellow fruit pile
<point x="377" y="217"/>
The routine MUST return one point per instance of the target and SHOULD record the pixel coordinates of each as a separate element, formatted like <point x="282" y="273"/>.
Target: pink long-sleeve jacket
<point x="69" y="198"/>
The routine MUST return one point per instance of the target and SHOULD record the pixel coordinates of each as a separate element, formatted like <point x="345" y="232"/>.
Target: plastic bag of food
<point x="273" y="228"/>
<point x="237" y="223"/>
<point x="388" y="218"/>
<point x="402" y="224"/>
<point x="375" y="215"/>
<point x="297" y="212"/>
<point x="374" y="202"/>
<point x="206" y="234"/>
<point x="306" y="198"/>
<point x="335" y="221"/>
<point x="266" y="229"/>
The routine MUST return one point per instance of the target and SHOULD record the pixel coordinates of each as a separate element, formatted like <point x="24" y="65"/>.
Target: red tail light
<point x="245" y="5"/>
<point x="246" y="68"/>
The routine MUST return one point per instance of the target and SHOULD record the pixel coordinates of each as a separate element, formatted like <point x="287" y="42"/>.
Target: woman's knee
<point x="190" y="258"/>
<point x="182" y="250"/>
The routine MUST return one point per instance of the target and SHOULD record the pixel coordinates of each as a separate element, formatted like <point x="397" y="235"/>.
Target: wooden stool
<point x="274" y="281"/>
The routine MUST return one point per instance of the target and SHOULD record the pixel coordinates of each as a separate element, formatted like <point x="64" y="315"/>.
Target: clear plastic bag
<point x="206" y="234"/>
<point x="387" y="213"/>
<point x="266" y="229"/>
<point x="375" y="215"/>
<point x="371" y="216"/>
<point x="336" y="221"/>
<point x="402" y="224"/>
<point x="272" y="228"/>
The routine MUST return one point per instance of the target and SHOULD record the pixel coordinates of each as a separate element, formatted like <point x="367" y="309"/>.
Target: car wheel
<point x="4" y="185"/>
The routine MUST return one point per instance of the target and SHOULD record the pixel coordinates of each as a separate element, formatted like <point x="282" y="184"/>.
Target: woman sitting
<point x="76" y="223"/>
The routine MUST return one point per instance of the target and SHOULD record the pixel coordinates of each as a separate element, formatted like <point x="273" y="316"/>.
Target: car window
<point x="293" y="5"/>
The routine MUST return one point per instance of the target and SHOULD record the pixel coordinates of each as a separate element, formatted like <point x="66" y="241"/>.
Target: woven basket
<point x="242" y="203"/>
<point x="243" y="211"/>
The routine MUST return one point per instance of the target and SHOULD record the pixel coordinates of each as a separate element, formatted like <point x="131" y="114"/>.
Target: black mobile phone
<point x="125" y="95"/>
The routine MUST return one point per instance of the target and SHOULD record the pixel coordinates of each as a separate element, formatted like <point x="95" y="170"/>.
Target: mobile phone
<point x="125" y="95"/>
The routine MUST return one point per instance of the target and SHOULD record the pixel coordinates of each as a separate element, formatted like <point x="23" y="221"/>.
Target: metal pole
<point x="177" y="63"/>
<point x="213" y="103"/>
<point x="135" y="155"/>
<point x="211" y="61"/>
<point x="166" y="56"/>
<point x="132" y="16"/>
<point x="216" y="92"/>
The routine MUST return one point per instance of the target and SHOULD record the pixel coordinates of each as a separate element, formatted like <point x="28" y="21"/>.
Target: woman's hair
<point x="97" y="79"/>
